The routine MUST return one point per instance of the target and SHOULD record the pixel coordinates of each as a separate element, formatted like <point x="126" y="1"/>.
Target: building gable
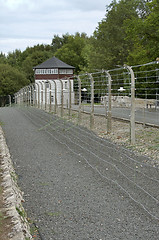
<point x="53" y="68"/>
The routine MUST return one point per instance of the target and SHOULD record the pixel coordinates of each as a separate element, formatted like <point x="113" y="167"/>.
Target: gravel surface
<point x="77" y="185"/>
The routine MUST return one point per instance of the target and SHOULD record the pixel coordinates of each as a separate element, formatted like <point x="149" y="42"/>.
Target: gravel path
<point x="78" y="186"/>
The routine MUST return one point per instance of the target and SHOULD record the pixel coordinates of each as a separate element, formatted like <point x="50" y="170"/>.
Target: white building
<point x="54" y="80"/>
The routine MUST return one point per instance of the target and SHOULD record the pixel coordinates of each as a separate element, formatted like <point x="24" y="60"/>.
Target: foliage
<point x="58" y="42"/>
<point x="11" y="80"/>
<point x="33" y="59"/>
<point x="111" y="47"/>
<point x="72" y="51"/>
<point x="144" y="33"/>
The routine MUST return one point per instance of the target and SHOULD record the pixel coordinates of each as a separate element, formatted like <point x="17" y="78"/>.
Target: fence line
<point x="121" y="93"/>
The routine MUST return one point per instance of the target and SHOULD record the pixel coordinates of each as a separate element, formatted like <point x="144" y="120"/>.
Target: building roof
<point x="53" y="63"/>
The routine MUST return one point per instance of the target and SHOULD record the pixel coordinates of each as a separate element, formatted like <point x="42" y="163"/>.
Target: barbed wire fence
<point x="130" y="94"/>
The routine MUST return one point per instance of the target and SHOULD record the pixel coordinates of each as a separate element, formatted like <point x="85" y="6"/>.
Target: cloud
<point x="89" y="5"/>
<point x="41" y="19"/>
<point x="9" y="45"/>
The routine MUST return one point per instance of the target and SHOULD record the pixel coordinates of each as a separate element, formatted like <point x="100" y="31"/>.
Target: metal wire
<point x="103" y="176"/>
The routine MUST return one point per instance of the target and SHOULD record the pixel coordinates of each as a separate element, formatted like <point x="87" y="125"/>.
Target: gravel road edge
<point x="12" y="195"/>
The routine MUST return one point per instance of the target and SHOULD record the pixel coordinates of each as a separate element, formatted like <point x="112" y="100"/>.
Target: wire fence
<point x="130" y="94"/>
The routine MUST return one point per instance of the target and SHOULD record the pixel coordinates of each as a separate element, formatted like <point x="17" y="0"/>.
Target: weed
<point x="21" y="212"/>
<point x="14" y="176"/>
<point x="33" y="229"/>
<point x="53" y="214"/>
<point x="2" y="123"/>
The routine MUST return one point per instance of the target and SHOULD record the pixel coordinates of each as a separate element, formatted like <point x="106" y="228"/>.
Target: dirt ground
<point x="146" y="138"/>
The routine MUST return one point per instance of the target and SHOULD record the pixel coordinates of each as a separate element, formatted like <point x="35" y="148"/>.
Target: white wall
<point x="41" y="85"/>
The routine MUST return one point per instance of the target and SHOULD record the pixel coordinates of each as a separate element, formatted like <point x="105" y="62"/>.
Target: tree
<point x="111" y="45"/>
<point x="14" y="58"/>
<point x="58" y="42"/>
<point x="72" y="51"/>
<point x="2" y="58"/>
<point x="33" y="59"/>
<point x="11" y="80"/>
<point x="144" y="34"/>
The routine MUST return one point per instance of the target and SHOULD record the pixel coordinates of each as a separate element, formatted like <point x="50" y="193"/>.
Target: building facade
<point x="54" y="82"/>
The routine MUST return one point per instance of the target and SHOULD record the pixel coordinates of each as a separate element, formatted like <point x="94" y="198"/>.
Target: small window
<point x="47" y="84"/>
<point x="66" y="85"/>
<point x="62" y="71"/>
<point x="69" y="71"/>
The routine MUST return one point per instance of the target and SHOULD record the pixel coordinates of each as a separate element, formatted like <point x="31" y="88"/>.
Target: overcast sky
<point x="29" y="22"/>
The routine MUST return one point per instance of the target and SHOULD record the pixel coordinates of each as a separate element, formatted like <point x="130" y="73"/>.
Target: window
<point x="69" y="71"/>
<point x="54" y="71"/>
<point x="66" y="71"/>
<point x="65" y="85"/>
<point x="46" y="71"/>
<point x="47" y="84"/>
<point x="62" y="71"/>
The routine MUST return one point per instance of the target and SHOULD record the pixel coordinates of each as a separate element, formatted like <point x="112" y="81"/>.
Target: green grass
<point x="1" y="123"/>
<point x="21" y="212"/>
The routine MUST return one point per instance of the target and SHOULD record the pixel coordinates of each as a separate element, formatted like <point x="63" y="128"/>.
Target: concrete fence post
<point x="29" y="95"/>
<point x="27" y="90"/>
<point x="92" y="101"/>
<point x="79" y="109"/>
<point x="70" y="99"/>
<point x="41" y="94"/>
<point x="45" y="96"/>
<point x="61" y="97"/>
<point x="132" y="115"/>
<point x="34" y="95"/>
<point x="55" y="96"/>
<point x="50" y="91"/>
<point x="22" y="95"/>
<point x="55" y="109"/>
<point x="9" y="100"/>
<point x="37" y="95"/>
<point x="109" y="115"/>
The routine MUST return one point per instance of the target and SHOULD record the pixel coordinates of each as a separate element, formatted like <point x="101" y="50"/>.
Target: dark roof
<point x="53" y="63"/>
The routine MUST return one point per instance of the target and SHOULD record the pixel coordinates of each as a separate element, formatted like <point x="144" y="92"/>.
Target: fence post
<point x="109" y="115"/>
<point x="33" y="94"/>
<point x="41" y="95"/>
<point x="69" y="102"/>
<point x="79" y="109"/>
<point x="61" y="97"/>
<point x="37" y="95"/>
<point x="55" y="95"/>
<point x="30" y="95"/>
<point x="92" y="102"/>
<point x="132" y="115"/>
<point x="9" y="100"/>
<point x="50" y="90"/>
<point x="27" y="89"/>
<point x="23" y="96"/>
<point x="45" y="95"/>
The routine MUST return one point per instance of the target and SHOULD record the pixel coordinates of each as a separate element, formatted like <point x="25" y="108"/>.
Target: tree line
<point x="129" y="33"/>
